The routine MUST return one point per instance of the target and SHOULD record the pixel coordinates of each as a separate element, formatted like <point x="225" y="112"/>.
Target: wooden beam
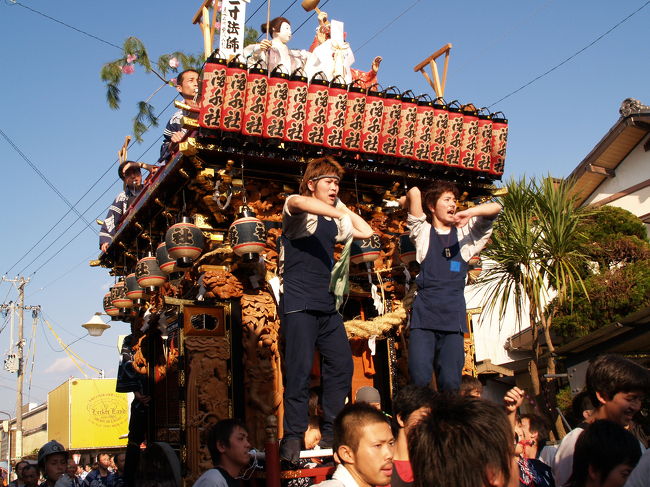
<point x="435" y="55"/>
<point x="603" y="171"/>
<point x="199" y="13"/>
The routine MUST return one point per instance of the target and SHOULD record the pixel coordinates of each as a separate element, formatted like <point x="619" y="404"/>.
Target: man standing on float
<point x="312" y="223"/>
<point x="443" y="248"/>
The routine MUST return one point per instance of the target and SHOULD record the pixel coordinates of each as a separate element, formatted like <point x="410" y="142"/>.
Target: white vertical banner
<point x="233" y="18"/>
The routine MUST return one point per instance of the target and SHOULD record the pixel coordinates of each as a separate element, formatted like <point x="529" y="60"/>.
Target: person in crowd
<point x="443" y="249"/>
<point x="463" y="442"/>
<point x="616" y="387"/>
<point x="364" y="446"/>
<point x="70" y="477"/>
<point x="119" y="479"/>
<point x="187" y="84"/>
<point x="53" y="461"/>
<point x="18" y="469"/>
<point x="129" y="380"/>
<point x="641" y="473"/>
<point x="533" y="471"/>
<point x="470" y="386"/>
<point x="313" y="221"/>
<point x="31" y="475"/>
<point x="410" y="405"/>
<point x="581" y="408"/>
<point x="313" y="434"/>
<point x="369" y="395"/>
<point x="229" y="448"/>
<point x="130" y="174"/>
<point x="159" y="467"/>
<point x="604" y="456"/>
<point x="101" y="477"/>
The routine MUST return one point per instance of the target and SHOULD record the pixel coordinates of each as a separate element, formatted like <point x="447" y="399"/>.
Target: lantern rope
<point x="70" y="353"/>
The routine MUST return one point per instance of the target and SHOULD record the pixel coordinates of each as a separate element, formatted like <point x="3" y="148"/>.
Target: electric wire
<point x="67" y="25"/>
<point x="357" y="49"/>
<point x="43" y="288"/>
<point x="31" y="348"/>
<point x="257" y="10"/>
<point x="66" y="348"/>
<point x="43" y="177"/>
<point x="580" y="51"/>
<point x="81" y="198"/>
<point x="73" y="335"/>
<point x="81" y="231"/>
<point x="310" y="16"/>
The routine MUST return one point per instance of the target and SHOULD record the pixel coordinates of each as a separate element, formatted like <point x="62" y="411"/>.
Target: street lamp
<point x="95" y="326"/>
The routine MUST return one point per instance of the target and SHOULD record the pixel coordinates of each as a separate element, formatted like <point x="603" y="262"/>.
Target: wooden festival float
<point x="195" y="257"/>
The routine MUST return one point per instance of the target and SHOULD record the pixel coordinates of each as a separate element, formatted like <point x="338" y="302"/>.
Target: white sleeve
<point x="563" y="463"/>
<point x="211" y="478"/>
<point x="419" y="231"/>
<point x="474" y="236"/>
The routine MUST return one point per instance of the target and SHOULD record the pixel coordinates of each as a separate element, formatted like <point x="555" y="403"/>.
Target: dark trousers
<point x="304" y="331"/>
<point x="441" y="351"/>
<point x="137" y="434"/>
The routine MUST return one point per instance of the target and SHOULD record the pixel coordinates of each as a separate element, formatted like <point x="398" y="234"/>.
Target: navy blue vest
<point x="308" y="263"/>
<point x="440" y="302"/>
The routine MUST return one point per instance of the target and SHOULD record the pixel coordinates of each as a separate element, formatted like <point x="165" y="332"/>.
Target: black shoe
<point x="290" y="449"/>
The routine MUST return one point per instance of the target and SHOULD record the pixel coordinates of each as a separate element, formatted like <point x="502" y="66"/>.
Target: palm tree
<point x="534" y="256"/>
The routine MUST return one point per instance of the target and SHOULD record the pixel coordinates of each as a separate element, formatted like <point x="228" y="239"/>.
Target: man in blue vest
<point x="443" y="249"/>
<point x="313" y="222"/>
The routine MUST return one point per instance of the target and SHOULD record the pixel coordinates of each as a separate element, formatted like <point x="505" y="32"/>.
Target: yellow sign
<point x="92" y="412"/>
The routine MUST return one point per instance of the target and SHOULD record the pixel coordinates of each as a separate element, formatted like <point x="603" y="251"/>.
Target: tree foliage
<point x="616" y="272"/>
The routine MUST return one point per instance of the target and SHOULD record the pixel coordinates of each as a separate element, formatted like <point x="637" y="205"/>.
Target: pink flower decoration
<point x="130" y="58"/>
<point x="172" y="82"/>
<point x="128" y="69"/>
<point x="173" y="63"/>
<point x="217" y="25"/>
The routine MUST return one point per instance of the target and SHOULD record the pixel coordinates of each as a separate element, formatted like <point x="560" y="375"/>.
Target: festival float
<point x="196" y="256"/>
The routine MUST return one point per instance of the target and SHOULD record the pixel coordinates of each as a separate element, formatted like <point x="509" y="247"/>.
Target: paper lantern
<point x="499" y="141"/>
<point x="148" y="274"/>
<point x="406" y="248"/>
<point x="407" y="122"/>
<point x="454" y="134"/>
<point x="166" y="263"/>
<point x="439" y="132"/>
<point x="247" y="235"/>
<point x="316" y="110"/>
<point x="276" y="104"/>
<point x="372" y="117"/>
<point x="365" y="250"/>
<point x="475" y="268"/>
<point x="483" y="141"/>
<point x="234" y="97"/>
<point x="468" y="138"/>
<point x="354" y="111"/>
<point x="133" y="289"/>
<point x="184" y="242"/>
<point x="337" y="100"/>
<point x="390" y="122"/>
<point x="294" y="124"/>
<point x="257" y="87"/>
<point x="213" y="82"/>
<point x="109" y="309"/>
<point x="119" y="297"/>
<point x="423" y="128"/>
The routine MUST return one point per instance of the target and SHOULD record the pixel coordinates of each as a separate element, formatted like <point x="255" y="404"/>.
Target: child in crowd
<point x="53" y="462"/>
<point x="604" y="456"/>
<point x="470" y="386"/>
<point x="616" y="387"/>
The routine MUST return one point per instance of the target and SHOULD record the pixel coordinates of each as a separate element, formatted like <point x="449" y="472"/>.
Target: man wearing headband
<point x="312" y="223"/>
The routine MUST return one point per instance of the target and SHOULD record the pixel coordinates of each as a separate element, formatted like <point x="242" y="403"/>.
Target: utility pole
<point x="21" y="282"/>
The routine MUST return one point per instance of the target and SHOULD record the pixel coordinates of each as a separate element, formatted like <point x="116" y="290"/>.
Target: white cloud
<point x="61" y="365"/>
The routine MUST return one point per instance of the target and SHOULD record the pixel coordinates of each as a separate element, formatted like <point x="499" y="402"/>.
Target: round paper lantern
<point x="165" y="262"/>
<point x="148" y="274"/>
<point x="365" y="250"/>
<point x="109" y="309"/>
<point x="133" y="289"/>
<point x="247" y="235"/>
<point x="119" y="297"/>
<point x="406" y="249"/>
<point x="184" y="242"/>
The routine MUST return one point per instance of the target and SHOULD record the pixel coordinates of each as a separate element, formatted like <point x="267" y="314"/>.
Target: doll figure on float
<point x="275" y="52"/>
<point x="333" y="56"/>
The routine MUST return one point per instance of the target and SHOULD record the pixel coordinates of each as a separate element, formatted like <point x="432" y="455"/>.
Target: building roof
<point x="612" y="149"/>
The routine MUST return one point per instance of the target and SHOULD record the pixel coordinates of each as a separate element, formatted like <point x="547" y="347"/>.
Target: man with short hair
<point x="187" y="83"/>
<point x="119" y="459"/>
<point x="463" y="441"/>
<point x="30" y="475"/>
<point x="18" y="468"/>
<point x="411" y="404"/>
<point x="71" y="477"/>
<point x="129" y="172"/>
<point x="101" y="477"/>
<point x="364" y="445"/>
<point x="229" y="448"/>
<point x="616" y="387"/>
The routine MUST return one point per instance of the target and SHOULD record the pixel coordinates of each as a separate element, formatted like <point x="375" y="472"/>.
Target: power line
<point x="310" y="16"/>
<point x="256" y="10"/>
<point x="357" y="49"/>
<point x="80" y="232"/>
<point x="572" y="56"/>
<point x="43" y="177"/>
<point x="67" y="25"/>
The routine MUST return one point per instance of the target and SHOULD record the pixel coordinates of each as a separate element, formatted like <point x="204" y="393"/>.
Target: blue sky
<point x="54" y="111"/>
